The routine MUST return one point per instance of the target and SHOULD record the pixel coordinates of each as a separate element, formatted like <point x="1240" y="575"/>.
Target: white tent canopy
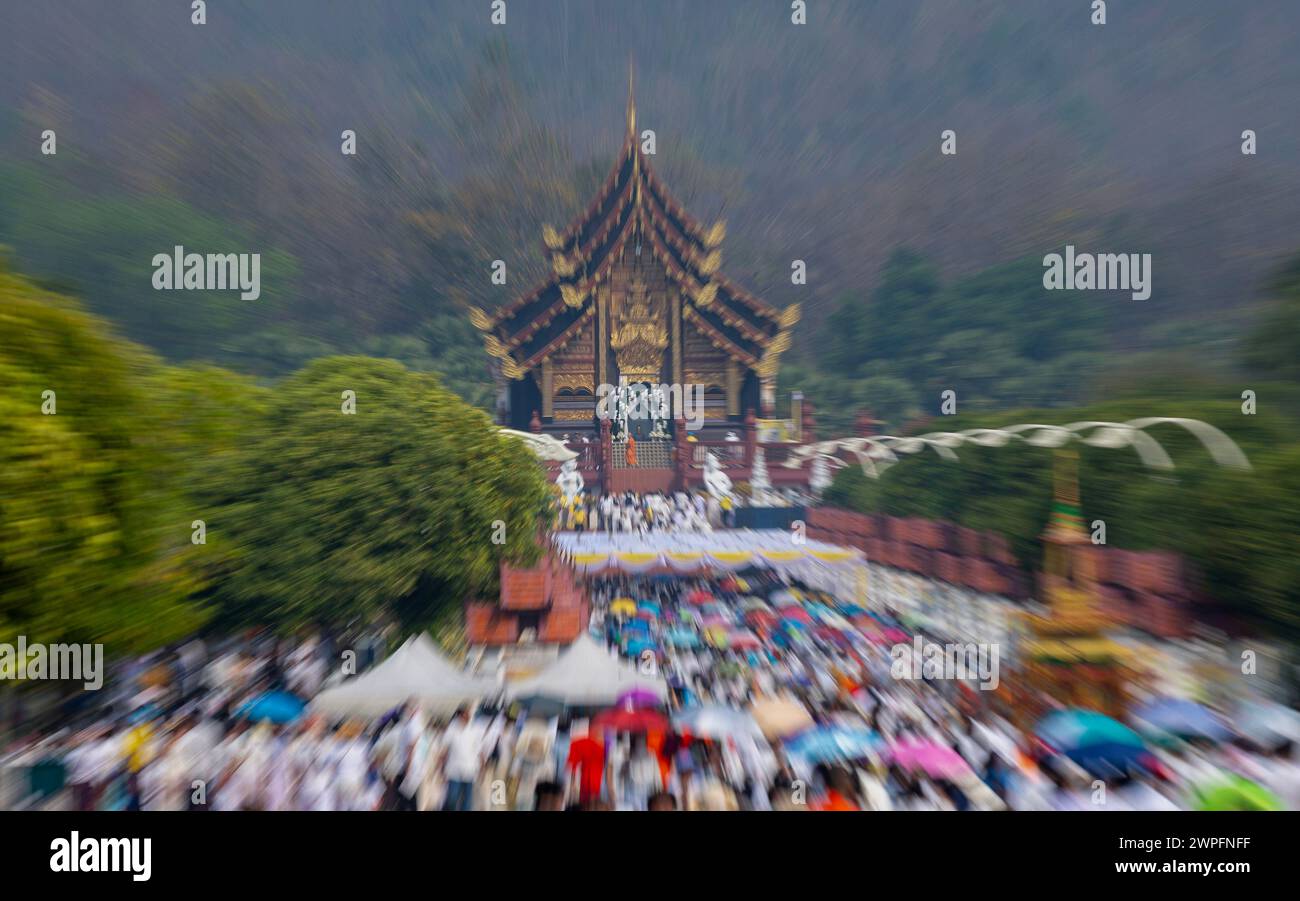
<point x="586" y="675"/>
<point x="415" y="672"/>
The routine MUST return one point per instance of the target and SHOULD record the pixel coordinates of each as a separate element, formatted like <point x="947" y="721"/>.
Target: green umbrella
<point x="1232" y="792"/>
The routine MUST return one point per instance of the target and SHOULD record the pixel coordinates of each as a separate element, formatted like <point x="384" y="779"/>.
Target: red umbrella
<point x="643" y="720"/>
<point x="743" y="641"/>
<point x="829" y="633"/>
<point x="762" y="618"/>
<point x="797" y="614"/>
<point x="699" y="596"/>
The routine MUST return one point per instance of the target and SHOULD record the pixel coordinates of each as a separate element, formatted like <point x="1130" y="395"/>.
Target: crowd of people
<point x="632" y="513"/>
<point x="779" y="696"/>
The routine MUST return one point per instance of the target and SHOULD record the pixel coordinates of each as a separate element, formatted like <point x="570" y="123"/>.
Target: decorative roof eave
<point x="760" y="307"/>
<point x="719" y="339"/>
<point x="488" y="321"/>
<point x="561" y="241"/>
<point x="566" y="264"/>
<point x="704" y="262"/>
<point x="771" y="361"/>
<point x="709" y="238"/>
<point x="561" y="340"/>
<point x="703" y="294"/>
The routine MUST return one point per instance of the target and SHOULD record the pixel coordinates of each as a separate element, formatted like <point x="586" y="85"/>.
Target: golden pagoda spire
<point x="1065" y="476"/>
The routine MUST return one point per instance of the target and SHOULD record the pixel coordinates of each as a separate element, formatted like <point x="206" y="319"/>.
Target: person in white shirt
<point x="462" y="749"/>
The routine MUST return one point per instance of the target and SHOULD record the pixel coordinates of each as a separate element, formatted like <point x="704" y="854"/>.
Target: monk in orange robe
<point x="631" y="451"/>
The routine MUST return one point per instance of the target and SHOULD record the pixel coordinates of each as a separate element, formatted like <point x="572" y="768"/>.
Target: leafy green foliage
<point x="94" y="546"/>
<point x="385" y="513"/>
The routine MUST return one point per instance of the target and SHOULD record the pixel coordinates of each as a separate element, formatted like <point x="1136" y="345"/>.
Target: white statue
<point x="760" y="484"/>
<point x="715" y="480"/>
<point x="820" y="477"/>
<point x="569" y="480"/>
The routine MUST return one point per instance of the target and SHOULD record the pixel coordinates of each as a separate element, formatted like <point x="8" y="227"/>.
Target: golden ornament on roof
<point x="705" y="294"/>
<point x="573" y="297"/>
<point x="563" y="266"/>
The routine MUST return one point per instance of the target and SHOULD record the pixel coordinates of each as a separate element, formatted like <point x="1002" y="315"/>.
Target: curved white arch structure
<point x="879" y="452"/>
<point x="546" y="447"/>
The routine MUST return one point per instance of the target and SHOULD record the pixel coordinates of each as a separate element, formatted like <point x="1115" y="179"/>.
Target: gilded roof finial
<point x="631" y="98"/>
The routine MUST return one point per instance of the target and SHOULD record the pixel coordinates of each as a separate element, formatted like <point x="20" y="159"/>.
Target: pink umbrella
<point x="797" y="614"/>
<point x="896" y="636"/>
<point x="935" y="760"/>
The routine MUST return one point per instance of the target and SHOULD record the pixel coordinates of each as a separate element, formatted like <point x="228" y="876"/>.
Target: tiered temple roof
<point x="633" y="205"/>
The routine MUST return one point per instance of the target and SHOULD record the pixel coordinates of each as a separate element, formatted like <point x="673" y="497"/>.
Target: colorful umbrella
<point x="1228" y="791"/>
<point x="778" y="717"/>
<point x="824" y="744"/>
<point x="716" y="636"/>
<point x="716" y="722"/>
<point x="637" y="699"/>
<point x="683" y="638"/>
<point x="1074" y="728"/>
<point x="935" y="760"/>
<point x="636" y="647"/>
<point x="699" y="596"/>
<point x="630" y="721"/>
<point x="743" y="641"/>
<point x="623" y="607"/>
<point x="1268" y="724"/>
<point x="1180" y="718"/>
<point x="276" y="706"/>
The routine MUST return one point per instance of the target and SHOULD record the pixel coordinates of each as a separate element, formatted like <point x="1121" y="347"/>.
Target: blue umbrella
<point x="276" y="706"/>
<point x="1181" y="718"/>
<point x="637" y="646"/>
<point x="636" y="625"/>
<point x="823" y="744"/>
<point x="683" y="638"/>
<point x="1110" y="759"/>
<point x="716" y="722"/>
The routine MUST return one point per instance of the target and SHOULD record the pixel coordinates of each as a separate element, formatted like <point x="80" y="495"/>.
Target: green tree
<point x="94" y="546"/>
<point x="388" y="512"/>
